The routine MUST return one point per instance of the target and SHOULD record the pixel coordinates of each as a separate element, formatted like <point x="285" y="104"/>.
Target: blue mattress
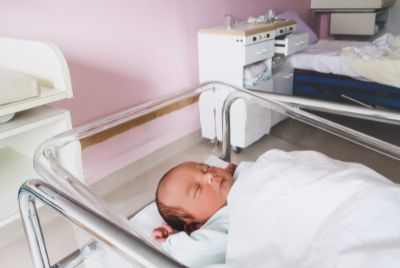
<point x="339" y="88"/>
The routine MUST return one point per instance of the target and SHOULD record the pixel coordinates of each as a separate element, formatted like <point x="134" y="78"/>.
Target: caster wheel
<point x="236" y="149"/>
<point x="214" y="141"/>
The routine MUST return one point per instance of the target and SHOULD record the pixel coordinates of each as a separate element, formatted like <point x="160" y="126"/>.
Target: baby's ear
<point x="231" y="168"/>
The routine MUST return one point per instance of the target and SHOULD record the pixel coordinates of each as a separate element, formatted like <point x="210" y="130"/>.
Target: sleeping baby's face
<point x="197" y="188"/>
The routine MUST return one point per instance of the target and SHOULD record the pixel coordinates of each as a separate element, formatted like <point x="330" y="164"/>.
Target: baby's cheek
<point x="228" y="188"/>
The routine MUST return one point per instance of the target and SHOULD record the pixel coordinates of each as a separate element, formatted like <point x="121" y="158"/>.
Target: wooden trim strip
<point x="246" y="29"/>
<point x="106" y="134"/>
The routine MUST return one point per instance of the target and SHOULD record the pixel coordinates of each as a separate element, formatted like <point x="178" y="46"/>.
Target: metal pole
<point x="349" y="134"/>
<point x="33" y="231"/>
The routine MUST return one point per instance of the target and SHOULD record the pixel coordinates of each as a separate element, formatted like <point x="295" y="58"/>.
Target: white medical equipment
<point x="242" y="56"/>
<point x="354" y="17"/>
<point x="84" y="208"/>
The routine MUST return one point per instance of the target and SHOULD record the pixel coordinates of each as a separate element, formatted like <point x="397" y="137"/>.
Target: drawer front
<point x="259" y="51"/>
<point x="291" y="44"/>
<point x="353" y="23"/>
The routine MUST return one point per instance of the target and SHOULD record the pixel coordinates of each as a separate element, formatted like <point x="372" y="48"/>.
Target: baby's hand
<point x="160" y="234"/>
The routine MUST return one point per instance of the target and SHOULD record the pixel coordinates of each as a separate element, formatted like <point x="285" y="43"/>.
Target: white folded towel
<point x="256" y="72"/>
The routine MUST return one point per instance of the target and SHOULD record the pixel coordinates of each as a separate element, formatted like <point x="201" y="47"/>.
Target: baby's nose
<point x="210" y="177"/>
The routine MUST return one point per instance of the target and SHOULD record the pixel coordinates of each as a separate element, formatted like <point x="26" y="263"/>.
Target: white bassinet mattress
<point x="144" y="221"/>
<point x="16" y="87"/>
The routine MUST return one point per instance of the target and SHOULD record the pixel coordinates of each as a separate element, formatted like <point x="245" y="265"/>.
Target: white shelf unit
<point x="34" y="121"/>
<point x="18" y="140"/>
<point x="224" y="54"/>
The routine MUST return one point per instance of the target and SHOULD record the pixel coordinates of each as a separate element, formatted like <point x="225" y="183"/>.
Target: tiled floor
<point x="132" y="187"/>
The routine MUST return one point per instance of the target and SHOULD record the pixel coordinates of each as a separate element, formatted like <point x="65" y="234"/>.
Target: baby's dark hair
<point x="173" y="216"/>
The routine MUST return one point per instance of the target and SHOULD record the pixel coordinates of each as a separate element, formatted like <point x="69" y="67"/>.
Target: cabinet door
<point x="19" y="139"/>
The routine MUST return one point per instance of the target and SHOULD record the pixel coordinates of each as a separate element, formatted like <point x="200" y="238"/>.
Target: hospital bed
<point x="108" y="223"/>
<point x="323" y="72"/>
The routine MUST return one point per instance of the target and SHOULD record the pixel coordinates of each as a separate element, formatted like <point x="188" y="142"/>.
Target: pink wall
<point x="124" y="52"/>
<point x="324" y="26"/>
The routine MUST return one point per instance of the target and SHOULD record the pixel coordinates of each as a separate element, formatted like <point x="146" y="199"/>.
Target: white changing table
<point x="33" y="122"/>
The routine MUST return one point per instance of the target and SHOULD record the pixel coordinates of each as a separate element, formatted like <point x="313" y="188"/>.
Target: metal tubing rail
<point x="95" y="209"/>
<point x="45" y="157"/>
<point x="349" y="134"/>
<point x="101" y="228"/>
<point x="47" y="152"/>
<point x="45" y="163"/>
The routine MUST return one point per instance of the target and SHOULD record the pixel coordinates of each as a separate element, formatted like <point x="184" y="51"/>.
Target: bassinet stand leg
<point x="33" y="231"/>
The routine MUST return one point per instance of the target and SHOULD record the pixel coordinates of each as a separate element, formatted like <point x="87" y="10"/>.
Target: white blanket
<point x="378" y="62"/>
<point x="303" y="209"/>
<point x="325" y="57"/>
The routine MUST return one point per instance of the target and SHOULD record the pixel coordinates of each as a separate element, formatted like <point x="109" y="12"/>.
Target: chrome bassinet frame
<point x="78" y="204"/>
